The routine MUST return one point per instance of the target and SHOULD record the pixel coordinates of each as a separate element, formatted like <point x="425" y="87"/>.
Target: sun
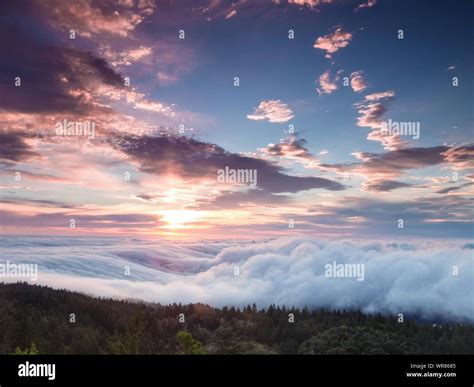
<point x="176" y="219"/>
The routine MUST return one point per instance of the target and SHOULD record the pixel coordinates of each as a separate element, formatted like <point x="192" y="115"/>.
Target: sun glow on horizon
<point x="180" y="219"/>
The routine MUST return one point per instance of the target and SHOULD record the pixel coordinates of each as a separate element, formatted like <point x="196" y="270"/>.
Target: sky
<point x="118" y="118"/>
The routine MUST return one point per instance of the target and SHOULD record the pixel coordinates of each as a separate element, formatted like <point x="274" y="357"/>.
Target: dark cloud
<point x="401" y="159"/>
<point x="379" y="185"/>
<point x="456" y="188"/>
<point x="371" y="111"/>
<point x="291" y="147"/>
<point x="194" y="160"/>
<point x="147" y="197"/>
<point x="395" y="162"/>
<point x="53" y="78"/>
<point x="13" y="147"/>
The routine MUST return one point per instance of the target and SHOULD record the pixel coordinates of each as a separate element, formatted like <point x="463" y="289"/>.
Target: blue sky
<point x="415" y="67"/>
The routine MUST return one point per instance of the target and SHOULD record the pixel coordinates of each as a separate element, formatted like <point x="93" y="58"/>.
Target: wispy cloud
<point x="310" y="3"/>
<point x="368" y="4"/>
<point x="89" y="20"/>
<point x="371" y="111"/>
<point x="231" y="14"/>
<point x="380" y="185"/>
<point x="126" y="57"/>
<point x="379" y="96"/>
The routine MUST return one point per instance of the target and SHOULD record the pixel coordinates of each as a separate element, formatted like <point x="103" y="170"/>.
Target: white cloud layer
<point x="410" y="278"/>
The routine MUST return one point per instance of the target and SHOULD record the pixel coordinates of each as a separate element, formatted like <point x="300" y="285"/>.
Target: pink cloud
<point x="370" y="116"/>
<point x="126" y="57"/>
<point x="273" y="111"/>
<point x="310" y="3"/>
<point x="327" y="86"/>
<point x="331" y="43"/>
<point x="460" y="157"/>
<point x="379" y="96"/>
<point x="231" y="14"/>
<point x="88" y="19"/>
<point x="368" y="4"/>
<point x="358" y="82"/>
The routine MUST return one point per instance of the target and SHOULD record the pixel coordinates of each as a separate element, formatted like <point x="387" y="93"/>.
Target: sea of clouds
<point x="413" y="278"/>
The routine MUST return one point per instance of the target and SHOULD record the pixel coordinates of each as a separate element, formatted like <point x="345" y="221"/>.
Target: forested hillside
<point x="35" y="319"/>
